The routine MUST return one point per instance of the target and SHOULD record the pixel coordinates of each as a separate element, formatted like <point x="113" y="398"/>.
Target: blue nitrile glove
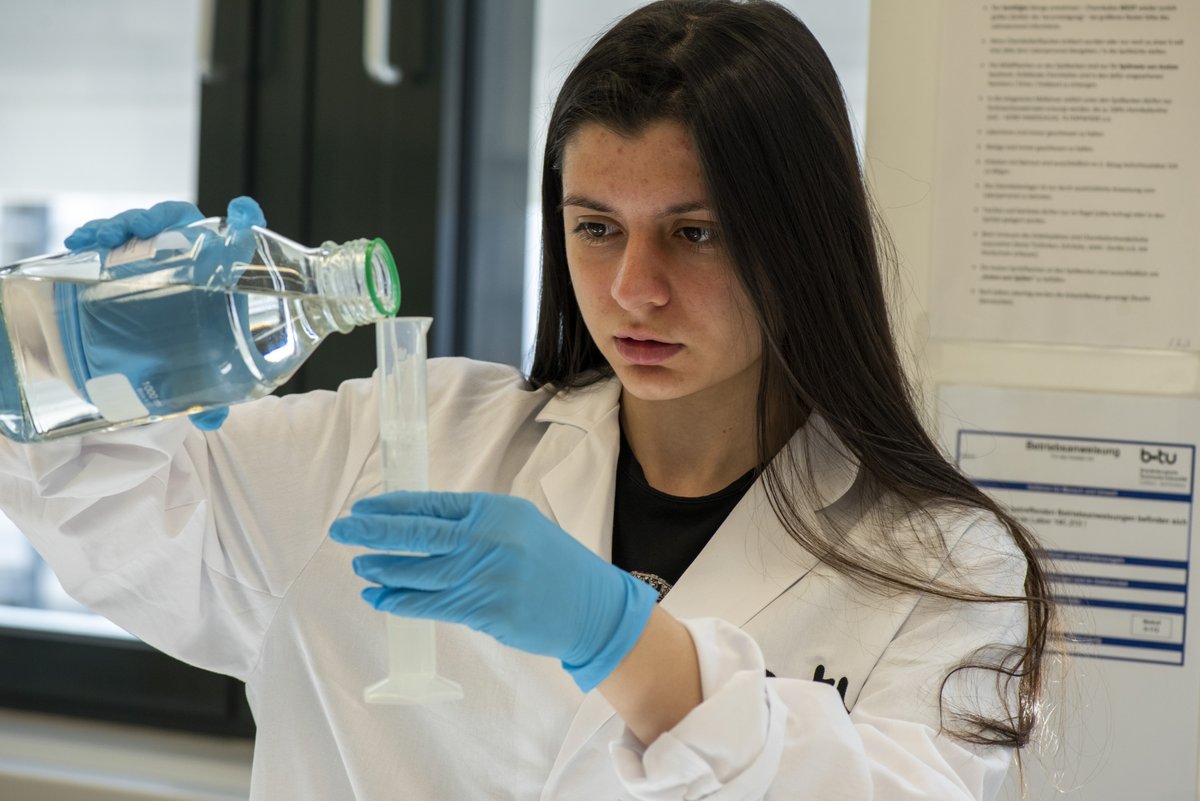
<point x="108" y="341"/>
<point x="500" y="566"/>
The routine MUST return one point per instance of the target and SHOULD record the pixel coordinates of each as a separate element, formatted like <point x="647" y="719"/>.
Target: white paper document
<point x="1107" y="485"/>
<point x="1066" y="208"/>
<point x="1115" y="516"/>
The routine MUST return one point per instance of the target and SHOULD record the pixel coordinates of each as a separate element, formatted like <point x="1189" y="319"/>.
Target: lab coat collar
<point x="749" y="562"/>
<point x="594" y="411"/>
<point x="582" y="407"/>
<point x="581" y="489"/>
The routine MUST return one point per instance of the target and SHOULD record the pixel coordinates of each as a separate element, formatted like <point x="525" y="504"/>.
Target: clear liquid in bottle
<point x="93" y="340"/>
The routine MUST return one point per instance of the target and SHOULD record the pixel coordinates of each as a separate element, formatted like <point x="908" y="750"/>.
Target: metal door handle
<point x="376" y="30"/>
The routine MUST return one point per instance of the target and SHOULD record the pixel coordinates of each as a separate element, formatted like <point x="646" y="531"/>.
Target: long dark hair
<point x="765" y="110"/>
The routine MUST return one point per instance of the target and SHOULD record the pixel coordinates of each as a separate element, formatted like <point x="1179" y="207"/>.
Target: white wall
<point x="99" y="105"/>
<point x="98" y="96"/>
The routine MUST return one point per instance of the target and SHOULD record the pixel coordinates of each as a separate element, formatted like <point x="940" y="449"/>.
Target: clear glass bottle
<point x="196" y="318"/>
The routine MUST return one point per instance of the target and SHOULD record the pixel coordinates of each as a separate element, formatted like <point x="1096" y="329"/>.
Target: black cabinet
<point x="290" y="116"/>
<point x="434" y="163"/>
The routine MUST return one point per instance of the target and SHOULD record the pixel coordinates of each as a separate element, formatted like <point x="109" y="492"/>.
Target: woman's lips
<point x="645" y="351"/>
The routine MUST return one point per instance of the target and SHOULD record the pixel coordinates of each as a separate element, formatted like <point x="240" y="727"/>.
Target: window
<point x="100" y="113"/>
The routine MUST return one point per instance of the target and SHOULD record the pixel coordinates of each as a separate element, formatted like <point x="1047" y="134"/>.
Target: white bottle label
<point x="138" y="249"/>
<point x="116" y="398"/>
<point x="133" y="250"/>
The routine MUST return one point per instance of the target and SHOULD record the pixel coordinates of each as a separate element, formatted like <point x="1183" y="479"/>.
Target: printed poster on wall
<point x="1066" y="208"/>
<point x="1107" y="483"/>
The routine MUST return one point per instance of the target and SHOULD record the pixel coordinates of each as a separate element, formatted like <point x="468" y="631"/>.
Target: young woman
<point x="712" y="501"/>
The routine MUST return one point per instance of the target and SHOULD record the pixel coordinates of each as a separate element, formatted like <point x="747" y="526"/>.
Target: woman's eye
<point x="699" y="235"/>
<point x="593" y="230"/>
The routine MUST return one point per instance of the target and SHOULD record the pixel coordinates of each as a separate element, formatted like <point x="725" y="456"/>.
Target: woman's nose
<point x="641" y="278"/>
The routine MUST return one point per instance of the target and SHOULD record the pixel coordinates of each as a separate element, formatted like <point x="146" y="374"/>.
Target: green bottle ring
<point x="379" y="244"/>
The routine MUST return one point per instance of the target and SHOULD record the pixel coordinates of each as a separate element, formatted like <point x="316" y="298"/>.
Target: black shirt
<point x="656" y="535"/>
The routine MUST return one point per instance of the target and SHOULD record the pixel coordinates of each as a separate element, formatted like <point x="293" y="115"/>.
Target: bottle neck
<point x="358" y="282"/>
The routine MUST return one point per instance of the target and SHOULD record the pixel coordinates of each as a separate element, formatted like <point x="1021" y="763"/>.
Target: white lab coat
<point x="213" y="548"/>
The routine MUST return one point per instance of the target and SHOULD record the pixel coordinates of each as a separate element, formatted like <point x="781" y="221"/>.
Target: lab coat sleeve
<point x="755" y="737"/>
<point x="189" y="540"/>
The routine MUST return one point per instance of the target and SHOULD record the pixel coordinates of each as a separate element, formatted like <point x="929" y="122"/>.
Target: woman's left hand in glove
<point x="498" y="565"/>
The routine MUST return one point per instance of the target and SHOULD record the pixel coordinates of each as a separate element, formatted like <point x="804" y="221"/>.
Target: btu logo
<point x="1162" y="457"/>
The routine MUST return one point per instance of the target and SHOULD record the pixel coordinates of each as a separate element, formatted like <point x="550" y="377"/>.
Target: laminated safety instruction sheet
<point x="1107" y="483"/>
<point x="1065" y="202"/>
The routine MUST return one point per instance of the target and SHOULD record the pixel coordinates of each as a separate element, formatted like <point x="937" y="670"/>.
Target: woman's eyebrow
<point x="584" y="202"/>
<point x="595" y="205"/>
<point x="684" y="208"/>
